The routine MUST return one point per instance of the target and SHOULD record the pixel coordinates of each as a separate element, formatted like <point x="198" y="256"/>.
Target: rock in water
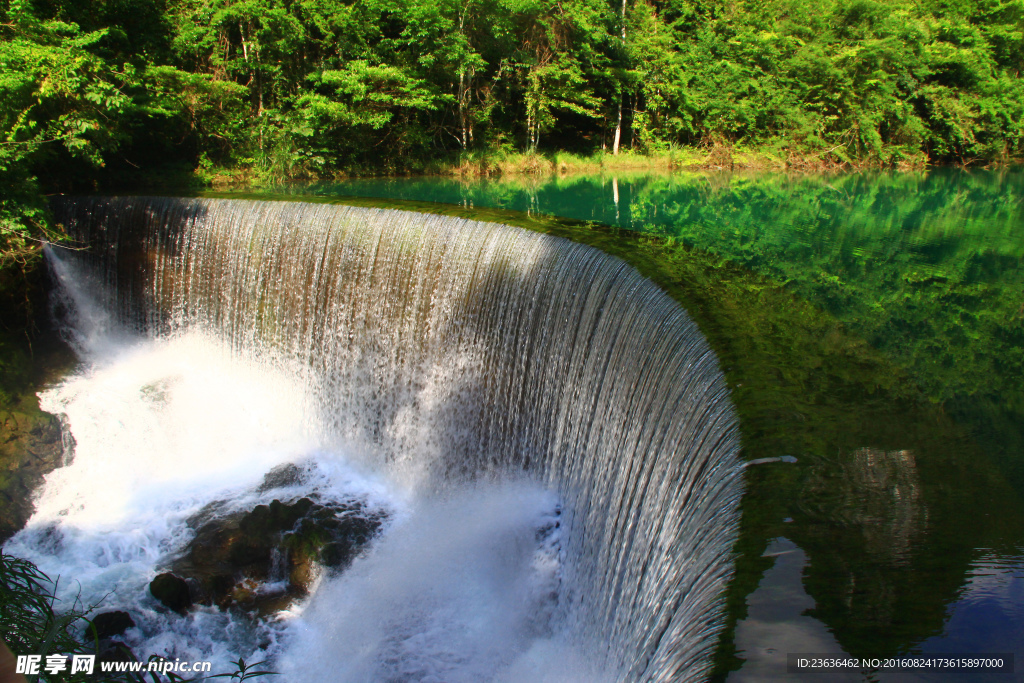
<point x="30" y="448"/>
<point x="265" y="557"/>
<point x="110" y="624"/>
<point x="281" y="476"/>
<point x="172" y="591"/>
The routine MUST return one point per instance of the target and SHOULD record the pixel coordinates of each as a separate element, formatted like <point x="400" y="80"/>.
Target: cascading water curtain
<point x="454" y="350"/>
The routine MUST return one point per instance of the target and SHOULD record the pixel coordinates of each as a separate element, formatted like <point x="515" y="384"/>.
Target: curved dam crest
<point x="444" y="352"/>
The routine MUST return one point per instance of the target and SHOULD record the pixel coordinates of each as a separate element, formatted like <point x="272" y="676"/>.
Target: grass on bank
<point x="780" y="155"/>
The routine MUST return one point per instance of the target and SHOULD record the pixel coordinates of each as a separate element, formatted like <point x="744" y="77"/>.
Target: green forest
<point x="104" y="93"/>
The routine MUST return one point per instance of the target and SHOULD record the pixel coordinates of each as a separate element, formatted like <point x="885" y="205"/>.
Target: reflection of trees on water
<point x="883" y="502"/>
<point x="864" y="516"/>
<point x="891" y="535"/>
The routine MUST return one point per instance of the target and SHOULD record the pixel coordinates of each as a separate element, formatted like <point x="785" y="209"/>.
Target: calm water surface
<point x="872" y="328"/>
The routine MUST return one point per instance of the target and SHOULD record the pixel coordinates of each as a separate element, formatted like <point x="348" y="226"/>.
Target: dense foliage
<point x="291" y="86"/>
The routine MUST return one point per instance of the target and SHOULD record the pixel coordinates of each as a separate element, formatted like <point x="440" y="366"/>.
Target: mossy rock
<point x="30" y="439"/>
<point x="30" y="448"/>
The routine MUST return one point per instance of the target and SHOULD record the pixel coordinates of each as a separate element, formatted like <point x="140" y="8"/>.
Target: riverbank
<point x="714" y="158"/>
<point x="719" y="156"/>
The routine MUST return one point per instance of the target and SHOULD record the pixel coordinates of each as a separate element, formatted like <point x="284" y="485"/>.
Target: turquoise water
<point x="871" y="327"/>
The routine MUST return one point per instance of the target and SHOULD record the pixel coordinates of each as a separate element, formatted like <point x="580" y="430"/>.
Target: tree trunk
<point x="618" y="130"/>
<point x="622" y="93"/>
<point x="462" y="108"/>
<point x="464" y="134"/>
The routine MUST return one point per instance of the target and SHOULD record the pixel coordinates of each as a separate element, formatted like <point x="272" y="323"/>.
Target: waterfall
<point x="449" y="353"/>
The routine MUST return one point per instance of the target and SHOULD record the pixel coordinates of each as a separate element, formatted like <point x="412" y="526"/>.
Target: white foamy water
<point x="462" y="588"/>
<point x="465" y="590"/>
<point x="162" y="429"/>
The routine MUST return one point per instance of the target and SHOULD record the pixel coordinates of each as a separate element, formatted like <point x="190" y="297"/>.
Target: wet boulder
<point x="282" y="476"/>
<point x="173" y="591"/>
<point x="266" y="557"/>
